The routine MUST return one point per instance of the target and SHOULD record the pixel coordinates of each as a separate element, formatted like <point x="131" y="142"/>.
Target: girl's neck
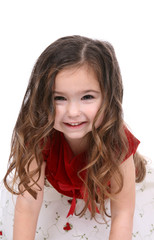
<point x="78" y="145"/>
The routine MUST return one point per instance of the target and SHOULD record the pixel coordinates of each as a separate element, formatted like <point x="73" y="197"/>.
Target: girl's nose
<point x="73" y="109"/>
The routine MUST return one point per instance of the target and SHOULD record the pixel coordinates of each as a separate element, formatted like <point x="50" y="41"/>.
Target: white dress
<point x="53" y="224"/>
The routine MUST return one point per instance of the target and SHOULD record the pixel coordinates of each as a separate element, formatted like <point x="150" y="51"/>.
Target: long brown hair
<point x="36" y="119"/>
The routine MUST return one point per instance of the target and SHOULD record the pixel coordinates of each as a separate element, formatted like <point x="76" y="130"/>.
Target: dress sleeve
<point x="133" y="143"/>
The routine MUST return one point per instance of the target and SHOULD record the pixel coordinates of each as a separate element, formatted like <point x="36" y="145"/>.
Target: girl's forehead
<point x="82" y="76"/>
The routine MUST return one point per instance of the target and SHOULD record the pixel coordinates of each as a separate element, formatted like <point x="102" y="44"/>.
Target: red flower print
<point x="1" y="233"/>
<point x="67" y="227"/>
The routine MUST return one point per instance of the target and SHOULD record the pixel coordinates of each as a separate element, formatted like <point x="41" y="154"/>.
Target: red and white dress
<point x="61" y="172"/>
<point x="62" y="165"/>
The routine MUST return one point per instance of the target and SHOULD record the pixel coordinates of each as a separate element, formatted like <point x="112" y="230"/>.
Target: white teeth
<point x="74" y="124"/>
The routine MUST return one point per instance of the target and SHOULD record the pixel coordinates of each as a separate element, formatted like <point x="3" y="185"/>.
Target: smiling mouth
<point x="76" y="124"/>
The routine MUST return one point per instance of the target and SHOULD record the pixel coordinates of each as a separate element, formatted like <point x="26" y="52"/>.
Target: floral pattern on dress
<point x="53" y="224"/>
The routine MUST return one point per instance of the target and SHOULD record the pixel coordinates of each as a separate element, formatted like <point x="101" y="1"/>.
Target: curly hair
<point x="108" y="143"/>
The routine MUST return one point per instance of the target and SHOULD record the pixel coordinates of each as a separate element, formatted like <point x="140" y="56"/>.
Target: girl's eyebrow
<point x="81" y="92"/>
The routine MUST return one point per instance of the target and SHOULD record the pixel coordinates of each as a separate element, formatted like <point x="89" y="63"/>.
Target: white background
<point x="28" y="27"/>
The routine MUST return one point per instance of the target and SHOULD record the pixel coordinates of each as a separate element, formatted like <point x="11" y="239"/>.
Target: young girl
<point x="71" y="131"/>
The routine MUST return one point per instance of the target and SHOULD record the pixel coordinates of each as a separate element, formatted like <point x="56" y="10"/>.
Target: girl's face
<point x="77" y="97"/>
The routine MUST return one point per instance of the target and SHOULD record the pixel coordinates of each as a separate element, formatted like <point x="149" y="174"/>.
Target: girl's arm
<point x="27" y="211"/>
<point x="122" y="208"/>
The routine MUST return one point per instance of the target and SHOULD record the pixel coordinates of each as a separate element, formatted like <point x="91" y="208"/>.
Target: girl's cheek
<point x="59" y="109"/>
<point x="59" y="112"/>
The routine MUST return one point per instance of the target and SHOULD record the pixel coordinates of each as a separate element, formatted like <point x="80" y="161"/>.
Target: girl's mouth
<point x="74" y="124"/>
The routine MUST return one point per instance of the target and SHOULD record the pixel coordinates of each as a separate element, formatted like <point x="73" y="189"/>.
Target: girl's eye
<point x="59" y="98"/>
<point x="87" y="97"/>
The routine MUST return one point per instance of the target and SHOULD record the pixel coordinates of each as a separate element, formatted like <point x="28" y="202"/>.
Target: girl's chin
<point x="73" y="137"/>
